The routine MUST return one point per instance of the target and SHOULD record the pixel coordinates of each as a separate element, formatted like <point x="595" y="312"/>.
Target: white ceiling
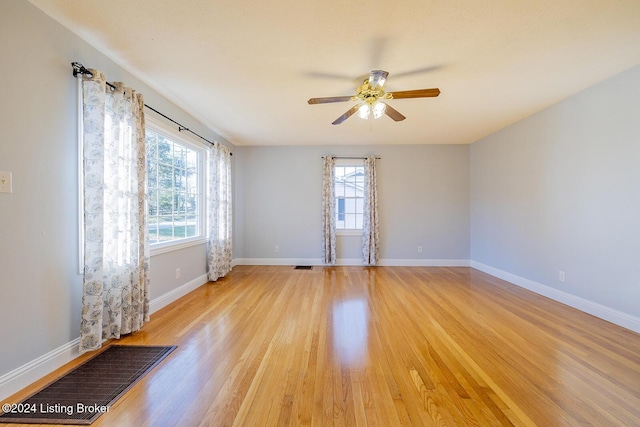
<point x="246" y="68"/>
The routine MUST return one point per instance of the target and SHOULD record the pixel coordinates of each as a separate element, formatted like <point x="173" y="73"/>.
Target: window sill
<point x="162" y="248"/>
<point x="348" y="232"/>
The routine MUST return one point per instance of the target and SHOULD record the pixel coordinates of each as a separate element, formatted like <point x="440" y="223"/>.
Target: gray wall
<point x="560" y="191"/>
<point x="423" y="192"/>
<point x="39" y="281"/>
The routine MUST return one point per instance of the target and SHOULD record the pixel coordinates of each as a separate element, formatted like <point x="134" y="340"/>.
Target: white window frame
<point x="348" y="163"/>
<point x="158" y="126"/>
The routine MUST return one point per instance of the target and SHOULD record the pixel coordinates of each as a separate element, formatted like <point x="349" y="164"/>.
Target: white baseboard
<point x="276" y="261"/>
<point x="601" y="311"/>
<point x="21" y="377"/>
<point x="179" y="292"/>
<point x="354" y="262"/>
<point x="425" y="262"/>
<point x="16" y="380"/>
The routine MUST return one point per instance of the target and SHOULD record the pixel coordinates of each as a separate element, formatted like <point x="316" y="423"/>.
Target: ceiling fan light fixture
<point x="371" y="95"/>
<point x="378" y="109"/>
<point x="364" y="111"/>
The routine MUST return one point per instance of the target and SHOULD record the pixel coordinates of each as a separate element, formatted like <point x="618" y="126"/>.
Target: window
<point x="175" y="187"/>
<point x="349" y="190"/>
<point x="340" y="208"/>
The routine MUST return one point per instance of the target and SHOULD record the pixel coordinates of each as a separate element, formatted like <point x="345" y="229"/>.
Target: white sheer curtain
<point x="328" y="211"/>
<point x="115" y="297"/>
<point x="370" y="232"/>
<point x="219" y="248"/>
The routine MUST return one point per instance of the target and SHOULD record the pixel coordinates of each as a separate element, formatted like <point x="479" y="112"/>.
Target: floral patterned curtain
<point x="219" y="248"/>
<point x="370" y="232"/>
<point x="328" y="212"/>
<point x="115" y="297"/>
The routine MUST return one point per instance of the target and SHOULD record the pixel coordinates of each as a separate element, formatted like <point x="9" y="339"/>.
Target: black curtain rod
<point x="78" y="68"/>
<point x="349" y="157"/>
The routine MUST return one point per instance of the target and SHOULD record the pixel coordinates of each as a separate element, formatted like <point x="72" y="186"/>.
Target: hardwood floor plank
<point x="378" y="346"/>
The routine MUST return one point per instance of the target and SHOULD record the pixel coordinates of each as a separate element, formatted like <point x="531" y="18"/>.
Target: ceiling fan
<point x="370" y="96"/>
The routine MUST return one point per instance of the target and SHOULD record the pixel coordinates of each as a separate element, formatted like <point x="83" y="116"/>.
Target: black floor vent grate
<point x="83" y="394"/>
<point x="303" y="267"/>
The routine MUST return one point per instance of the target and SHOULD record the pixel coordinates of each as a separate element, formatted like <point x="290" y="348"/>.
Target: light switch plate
<point x="5" y="182"/>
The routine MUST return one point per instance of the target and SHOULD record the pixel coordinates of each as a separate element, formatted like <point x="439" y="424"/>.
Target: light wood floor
<point x="384" y="346"/>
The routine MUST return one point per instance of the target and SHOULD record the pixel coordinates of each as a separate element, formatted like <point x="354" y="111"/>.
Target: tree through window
<point x="174" y="188"/>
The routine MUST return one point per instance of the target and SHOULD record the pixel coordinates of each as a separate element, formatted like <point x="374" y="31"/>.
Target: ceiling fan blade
<point x="329" y="99"/>
<point x="418" y="71"/>
<point x="393" y="113"/>
<point x="418" y="93"/>
<point x="377" y="78"/>
<point x="346" y="115"/>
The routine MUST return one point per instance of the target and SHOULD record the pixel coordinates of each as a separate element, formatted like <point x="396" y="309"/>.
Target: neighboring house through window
<point x="349" y="193"/>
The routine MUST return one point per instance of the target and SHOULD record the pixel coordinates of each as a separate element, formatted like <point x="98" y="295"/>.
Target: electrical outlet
<point x="5" y="182"/>
<point x="562" y="276"/>
<point x="177" y="273"/>
<point x="276" y="249"/>
<point x="419" y="249"/>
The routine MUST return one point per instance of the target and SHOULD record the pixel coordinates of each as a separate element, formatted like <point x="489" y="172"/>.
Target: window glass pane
<point x="179" y="156"/>
<point x="179" y="179"/>
<point x="165" y="151"/>
<point x="192" y="225"/>
<point x="358" y="222"/>
<point x="192" y="204"/>
<point x="152" y="148"/>
<point x="349" y="170"/>
<point x="165" y="177"/>
<point x="359" y="205"/>
<point x="179" y="203"/>
<point x="349" y="190"/>
<point x="153" y="235"/>
<point x="165" y="228"/>
<point x="350" y="206"/>
<point x="192" y="181"/>
<point x="192" y="160"/>
<point x="153" y="204"/>
<point x="152" y="223"/>
<point x="152" y="175"/>
<point x="165" y="202"/>
<point x="179" y="226"/>
<point x="350" y="221"/>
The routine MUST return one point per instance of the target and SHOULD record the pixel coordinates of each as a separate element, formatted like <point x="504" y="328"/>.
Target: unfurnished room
<point x="338" y="213"/>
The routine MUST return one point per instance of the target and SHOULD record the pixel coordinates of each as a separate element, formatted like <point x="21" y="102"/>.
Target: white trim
<point x="353" y="262"/>
<point x="425" y="262"/>
<point x="176" y="245"/>
<point x="177" y="293"/>
<point x="349" y="232"/>
<point x="152" y="118"/>
<point x="349" y="161"/>
<point x="603" y="312"/>
<point x="21" y="377"/>
<point x="276" y="261"/>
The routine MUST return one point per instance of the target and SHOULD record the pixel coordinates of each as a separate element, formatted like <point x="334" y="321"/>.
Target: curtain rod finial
<point x="78" y="68"/>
